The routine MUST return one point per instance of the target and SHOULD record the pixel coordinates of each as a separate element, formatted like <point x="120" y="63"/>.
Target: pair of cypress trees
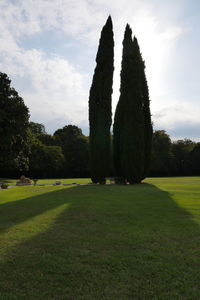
<point x="132" y="129"/>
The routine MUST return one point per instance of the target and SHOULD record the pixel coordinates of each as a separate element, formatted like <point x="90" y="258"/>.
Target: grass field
<point x="101" y="242"/>
<point x="50" y="181"/>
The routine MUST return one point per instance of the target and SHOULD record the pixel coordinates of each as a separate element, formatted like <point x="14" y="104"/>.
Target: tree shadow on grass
<point x="111" y="242"/>
<point x="16" y="212"/>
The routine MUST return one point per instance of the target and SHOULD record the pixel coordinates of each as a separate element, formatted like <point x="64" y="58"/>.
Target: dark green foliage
<point x="132" y="125"/>
<point x="181" y="152"/>
<point x="47" y="139"/>
<point x="75" y="149"/>
<point x="148" y="128"/>
<point x="195" y="160"/>
<point x="37" y="128"/>
<point x="173" y="158"/>
<point x="162" y="157"/>
<point x="121" y="109"/>
<point x="14" y="117"/>
<point x="100" y="114"/>
<point x="45" y="161"/>
<point x="65" y="154"/>
<point x="38" y="131"/>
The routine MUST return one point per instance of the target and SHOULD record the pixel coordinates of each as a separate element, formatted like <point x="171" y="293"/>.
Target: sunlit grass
<point x="101" y="242"/>
<point x="18" y="233"/>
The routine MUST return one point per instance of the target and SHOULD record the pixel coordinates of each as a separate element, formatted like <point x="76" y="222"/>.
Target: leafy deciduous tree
<point x="161" y="153"/>
<point x="181" y="151"/>
<point x="195" y="160"/>
<point x="75" y="149"/>
<point x="45" y="161"/>
<point x="14" y="116"/>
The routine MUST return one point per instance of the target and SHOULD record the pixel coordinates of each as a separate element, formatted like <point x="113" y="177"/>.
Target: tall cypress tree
<point x="132" y="124"/>
<point x="121" y="109"/>
<point x="148" y="128"/>
<point x="145" y="102"/>
<point x="100" y="114"/>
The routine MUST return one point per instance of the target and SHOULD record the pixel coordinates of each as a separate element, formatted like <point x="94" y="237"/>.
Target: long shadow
<point x="112" y="242"/>
<point x="16" y="212"/>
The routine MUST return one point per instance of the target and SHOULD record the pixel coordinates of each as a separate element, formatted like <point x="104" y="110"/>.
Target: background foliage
<point x="27" y="149"/>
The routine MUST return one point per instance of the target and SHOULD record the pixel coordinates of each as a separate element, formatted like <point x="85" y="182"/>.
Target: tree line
<point x="27" y="149"/>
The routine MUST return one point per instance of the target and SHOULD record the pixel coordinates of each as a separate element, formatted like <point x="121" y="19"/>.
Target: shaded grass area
<point x="101" y="242"/>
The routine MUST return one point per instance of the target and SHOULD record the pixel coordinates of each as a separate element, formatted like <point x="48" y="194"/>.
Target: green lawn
<point x="101" y="242"/>
<point x="50" y="181"/>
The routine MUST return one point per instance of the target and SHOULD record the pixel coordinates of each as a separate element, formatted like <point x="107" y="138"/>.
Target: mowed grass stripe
<point x="101" y="242"/>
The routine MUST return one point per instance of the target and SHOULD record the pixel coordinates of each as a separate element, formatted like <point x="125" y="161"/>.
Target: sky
<point x="48" y="49"/>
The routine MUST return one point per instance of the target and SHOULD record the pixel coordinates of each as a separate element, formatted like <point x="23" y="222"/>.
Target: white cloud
<point x="27" y="17"/>
<point x="176" y="114"/>
<point x="58" y="91"/>
<point x="156" y="44"/>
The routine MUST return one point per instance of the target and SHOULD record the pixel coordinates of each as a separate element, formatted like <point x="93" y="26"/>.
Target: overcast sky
<point x="48" y="49"/>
